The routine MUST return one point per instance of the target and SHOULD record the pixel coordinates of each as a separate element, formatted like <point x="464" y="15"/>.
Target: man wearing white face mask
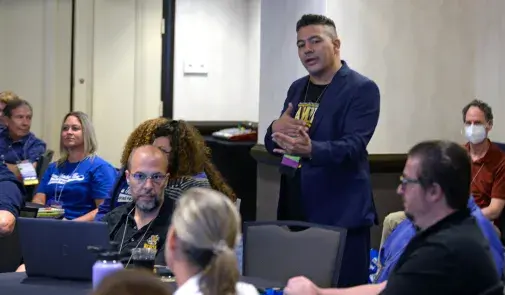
<point x="488" y="160"/>
<point x="488" y="167"/>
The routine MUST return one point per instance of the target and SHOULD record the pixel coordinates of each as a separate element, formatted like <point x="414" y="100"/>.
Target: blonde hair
<point x="207" y="227"/>
<point x="131" y="282"/>
<point x="88" y="133"/>
<point x="7" y="96"/>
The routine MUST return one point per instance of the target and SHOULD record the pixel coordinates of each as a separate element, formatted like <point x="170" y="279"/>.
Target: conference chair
<point x="500" y="145"/>
<point x="121" y="176"/>
<point x="493" y="290"/>
<point x="42" y="165"/>
<point x="501" y="220"/>
<point x="274" y="252"/>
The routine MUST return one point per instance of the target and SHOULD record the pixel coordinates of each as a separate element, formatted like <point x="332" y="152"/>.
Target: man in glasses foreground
<point x="449" y="255"/>
<point x="144" y="222"/>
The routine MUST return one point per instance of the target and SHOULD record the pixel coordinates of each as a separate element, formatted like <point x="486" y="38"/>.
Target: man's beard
<point x="148" y="206"/>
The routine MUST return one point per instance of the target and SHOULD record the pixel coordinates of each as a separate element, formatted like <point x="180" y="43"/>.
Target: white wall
<point x="117" y="62"/>
<point x="490" y="61"/>
<point x="421" y="54"/>
<point x="221" y="34"/>
<point x="427" y="70"/>
<point x="429" y="58"/>
<point x="119" y="58"/>
<point x="253" y="58"/>
<point x="35" y="60"/>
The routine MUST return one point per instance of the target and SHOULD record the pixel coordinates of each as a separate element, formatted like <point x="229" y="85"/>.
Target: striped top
<point x="176" y="187"/>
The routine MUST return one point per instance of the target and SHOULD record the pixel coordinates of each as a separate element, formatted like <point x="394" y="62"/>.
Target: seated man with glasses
<point x="449" y="254"/>
<point x="396" y="243"/>
<point x="144" y="222"/>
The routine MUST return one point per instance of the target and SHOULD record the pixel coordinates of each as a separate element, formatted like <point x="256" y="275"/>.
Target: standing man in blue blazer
<point x="327" y="120"/>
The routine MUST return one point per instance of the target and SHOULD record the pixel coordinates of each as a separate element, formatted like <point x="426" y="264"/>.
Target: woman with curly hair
<point x="189" y="155"/>
<point x="142" y="135"/>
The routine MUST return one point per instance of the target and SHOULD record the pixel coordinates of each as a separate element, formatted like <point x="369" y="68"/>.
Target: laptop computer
<point x="58" y="249"/>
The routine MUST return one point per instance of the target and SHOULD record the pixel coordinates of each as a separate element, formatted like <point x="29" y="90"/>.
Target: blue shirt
<point x="397" y="241"/>
<point x="28" y="147"/>
<point x="11" y="191"/>
<point x="76" y="186"/>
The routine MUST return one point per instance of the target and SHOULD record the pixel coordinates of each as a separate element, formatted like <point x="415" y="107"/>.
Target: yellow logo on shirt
<point x="152" y="242"/>
<point x="306" y="112"/>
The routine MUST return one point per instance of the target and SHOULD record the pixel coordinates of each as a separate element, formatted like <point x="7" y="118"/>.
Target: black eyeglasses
<point x="405" y="180"/>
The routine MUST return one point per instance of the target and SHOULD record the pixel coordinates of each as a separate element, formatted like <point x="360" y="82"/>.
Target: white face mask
<point x="475" y="133"/>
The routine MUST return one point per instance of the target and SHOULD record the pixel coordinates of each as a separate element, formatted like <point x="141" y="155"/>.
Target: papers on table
<point x="50" y="213"/>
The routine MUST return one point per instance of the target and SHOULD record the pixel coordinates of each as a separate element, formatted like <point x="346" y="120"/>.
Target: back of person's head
<point x="6" y="96"/>
<point x="142" y="135"/>
<point x="447" y="165"/>
<point x="131" y="282"/>
<point x="205" y="229"/>
<point x="190" y="155"/>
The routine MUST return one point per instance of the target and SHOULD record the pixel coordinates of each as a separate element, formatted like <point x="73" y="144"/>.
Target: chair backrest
<point x="41" y="168"/>
<point x="43" y="162"/>
<point x="121" y="176"/>
<point x="500" y="145"/>
<point x="273" y="251"/>
<point x="497" y="289"/>
<point x="10" y="252"/>
<point x="500" y="223"/>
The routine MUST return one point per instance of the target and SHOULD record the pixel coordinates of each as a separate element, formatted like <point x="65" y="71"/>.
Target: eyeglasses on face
<point x="143" y="177"/>
<point x="405" y="180"/>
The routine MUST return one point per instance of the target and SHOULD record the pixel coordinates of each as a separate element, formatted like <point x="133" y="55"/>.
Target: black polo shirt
<point x="147" y="237"/>
<point x="450" y="257"/>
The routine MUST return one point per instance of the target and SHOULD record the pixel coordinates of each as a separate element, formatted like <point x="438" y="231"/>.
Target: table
<point x="238" y="167"/>
<point x="19" y="284"/>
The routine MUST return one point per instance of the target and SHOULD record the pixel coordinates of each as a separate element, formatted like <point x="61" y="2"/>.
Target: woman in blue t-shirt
<point x="80" y="180"/>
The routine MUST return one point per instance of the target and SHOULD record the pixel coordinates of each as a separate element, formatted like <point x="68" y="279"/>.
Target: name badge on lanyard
<point x="55" y="204"/>
<point x="306" y="112"/>
<point x="28" y="173"/>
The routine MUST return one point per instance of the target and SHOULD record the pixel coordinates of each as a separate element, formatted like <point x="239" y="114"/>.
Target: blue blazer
<point x="336" y="188"/>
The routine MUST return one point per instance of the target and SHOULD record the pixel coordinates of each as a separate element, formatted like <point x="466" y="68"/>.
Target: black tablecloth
<point x="238" y="167"/>
<point x="19" y="284"/>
